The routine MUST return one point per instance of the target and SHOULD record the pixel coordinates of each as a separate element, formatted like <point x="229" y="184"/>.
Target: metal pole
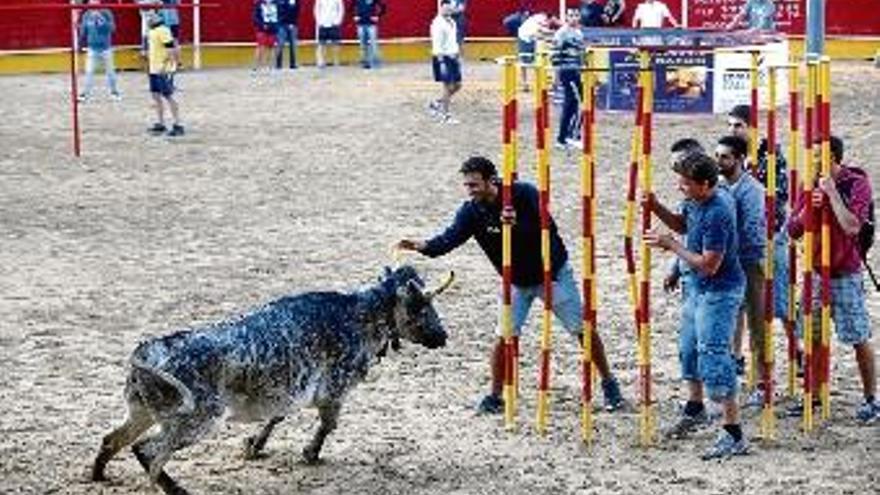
<point x="815" y="35"/>
<point x="197" y="34"/>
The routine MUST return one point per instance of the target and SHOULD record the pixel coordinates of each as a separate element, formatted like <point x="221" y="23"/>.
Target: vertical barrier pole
<point x="509" y="356"/>
<point x="543" y="165"/>
<point x="824" y="79"/>
<point x="588" y="192"/>
<point x="793" y="191"/>
<point x="647" y="420"/>
<point x="809" y="230"/>
<point x="768" y="417"/>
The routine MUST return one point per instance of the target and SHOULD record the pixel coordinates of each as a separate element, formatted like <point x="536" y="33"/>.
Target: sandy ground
<point x="285" y="184"/>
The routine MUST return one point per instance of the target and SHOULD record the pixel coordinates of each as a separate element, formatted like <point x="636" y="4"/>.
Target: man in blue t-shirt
<point x="481" y="217"/>
<point x="708" y="221"/>
<point x="751" y="221"/>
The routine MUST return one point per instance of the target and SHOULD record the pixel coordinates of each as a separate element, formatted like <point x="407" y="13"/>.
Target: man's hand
<point x="655" y="239"/>
<point x="508" y="215"/>
<point x="410" y="245"/>
<point x="649" y="200"/>
<point x="819" y="196"/>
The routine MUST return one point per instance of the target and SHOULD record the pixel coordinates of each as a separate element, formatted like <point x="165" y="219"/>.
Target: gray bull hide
<point x="309" y="349"/>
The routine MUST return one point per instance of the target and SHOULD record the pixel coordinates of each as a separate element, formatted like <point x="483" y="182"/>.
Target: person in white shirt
<point x="328" y="19"/>
<point x="651" y="14"/>
<point x="445" y="59"/>
<point x="534" y="27"/>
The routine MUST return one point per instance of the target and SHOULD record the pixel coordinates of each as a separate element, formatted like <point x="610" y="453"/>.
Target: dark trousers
<point x="286" y="33"/>
<point x="570" y="79"/>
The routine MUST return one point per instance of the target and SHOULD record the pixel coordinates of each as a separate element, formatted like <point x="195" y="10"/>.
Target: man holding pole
<point x="708" y="221"/>
<point x="481" y="217"/>
<point x="848" y="195"/>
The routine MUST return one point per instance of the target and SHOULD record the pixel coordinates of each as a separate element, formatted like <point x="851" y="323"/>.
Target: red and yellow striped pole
<point x="644" y="357"/>
<point x="793" y="190"/>
<point x="753" y="123"/>
<point x="753" y="166"/>
<point x="809" y="179"/>
<point x="588" y="220"/>
<point x="768" y="418"/>
<point x="823" y="109"/>
<point x="542" y="137"/>
<point x="629" y="220"/>
<point x="509" y="165"/>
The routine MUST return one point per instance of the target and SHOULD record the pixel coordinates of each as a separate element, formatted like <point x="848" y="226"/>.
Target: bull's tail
<point x="160" y="390"/>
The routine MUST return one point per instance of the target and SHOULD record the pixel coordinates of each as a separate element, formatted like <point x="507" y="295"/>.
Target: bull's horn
<point x="445" y="285"/>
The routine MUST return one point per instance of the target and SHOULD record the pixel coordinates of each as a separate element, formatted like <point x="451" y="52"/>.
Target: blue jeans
<point x="687" y="336"/>
<point x="286" y="33"/>
<point x="714" y="320"/>
<point x="780" y="273"/>
<point x="566" y="302"/>
<point x="368" y="34"/>
<point x="92" y="57"/>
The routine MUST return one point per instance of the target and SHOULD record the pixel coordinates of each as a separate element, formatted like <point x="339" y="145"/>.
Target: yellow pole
<point x="809" y="178"/>
<point x="589" y="278"/>
<point x="793" y="189"/>
<point x="647" y="414"/>
<point x="768" y="417"/>
<point x="542" y="138"/>
<point x="509" y="166"/>
<point x="825" y="377"/>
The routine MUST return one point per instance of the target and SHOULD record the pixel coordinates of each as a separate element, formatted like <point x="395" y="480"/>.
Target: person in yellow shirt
<point x="163" y="58"/>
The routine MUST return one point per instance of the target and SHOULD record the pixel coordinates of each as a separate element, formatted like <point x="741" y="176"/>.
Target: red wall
<point x="23" y="29"/>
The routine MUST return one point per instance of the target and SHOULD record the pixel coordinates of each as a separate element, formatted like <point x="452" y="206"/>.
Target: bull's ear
<point x="386" y="273"/>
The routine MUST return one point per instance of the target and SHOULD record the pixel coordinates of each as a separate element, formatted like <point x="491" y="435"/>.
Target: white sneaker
<point x="116" y="96"/>
<point x="575" y="143"/>
<point x="725" y="446"/>
<point x="449" y="119"/>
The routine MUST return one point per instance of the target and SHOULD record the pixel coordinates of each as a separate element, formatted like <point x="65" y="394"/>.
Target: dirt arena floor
<point x="303" y="181"/>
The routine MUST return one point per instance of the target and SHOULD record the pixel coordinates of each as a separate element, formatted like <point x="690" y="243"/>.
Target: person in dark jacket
<point x="288" y="31"/>
<point x="481" y="217"/>
<point x="366" y="18"/>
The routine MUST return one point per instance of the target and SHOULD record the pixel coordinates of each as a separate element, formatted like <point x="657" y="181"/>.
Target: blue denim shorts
<point x="566" y="302"/>
<point x="715" y="320"/>
<point x="687" y="336"/>
<point x="848" y="310"/>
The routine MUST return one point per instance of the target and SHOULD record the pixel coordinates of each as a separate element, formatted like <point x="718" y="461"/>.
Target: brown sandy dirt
<point x="303" y="181"/>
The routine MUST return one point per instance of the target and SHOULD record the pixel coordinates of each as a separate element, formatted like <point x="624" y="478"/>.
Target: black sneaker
<point x="613" y="398"/>
<point x="741" y="366"/>
<point x="176" y="130"/>
<point x="157" y="129"/>
<point x="491" y="404"/>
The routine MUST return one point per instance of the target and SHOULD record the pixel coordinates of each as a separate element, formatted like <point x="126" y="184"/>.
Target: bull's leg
<point x="329" y="413"/>
<point x="138" y="421"/>
<point x="253" y="445"/>
<point x="152" y="453"/>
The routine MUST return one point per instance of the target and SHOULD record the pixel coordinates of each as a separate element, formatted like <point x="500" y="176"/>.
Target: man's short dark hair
<point x="737" y="144"/>
<point x="836" y="149"/>
<point x="479" y="165"/>
<point x="741" y="112"/>
<point x="445" y="2"/>
<point x="687" y="145"/>
<point x="836" y="145"/>
<point x="698" y="167"/>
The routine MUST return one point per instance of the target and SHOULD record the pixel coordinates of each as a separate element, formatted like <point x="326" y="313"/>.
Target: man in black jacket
<point x="481" y="217"/>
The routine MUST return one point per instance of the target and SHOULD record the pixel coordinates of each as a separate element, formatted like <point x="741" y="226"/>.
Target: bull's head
<point x="415" y="317"/>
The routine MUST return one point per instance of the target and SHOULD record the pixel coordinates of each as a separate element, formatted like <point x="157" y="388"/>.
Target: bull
<point x="307" y="349"/>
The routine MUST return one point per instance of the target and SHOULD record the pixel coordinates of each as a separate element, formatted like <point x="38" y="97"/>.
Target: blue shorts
<point x="688" y="357"/>
<point x="329" y="35"/>
<point x="526" y="51"/>
<point x="162" y="84"/>
<point x="566" y="303"/>
<point x="447" y="70"/>
<point x="714" y="320"/>
<point x="848" y="310"/>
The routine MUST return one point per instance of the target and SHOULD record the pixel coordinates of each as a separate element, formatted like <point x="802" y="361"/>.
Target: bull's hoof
<point x="253" y="449"/>
<point x="310" y="456"/>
